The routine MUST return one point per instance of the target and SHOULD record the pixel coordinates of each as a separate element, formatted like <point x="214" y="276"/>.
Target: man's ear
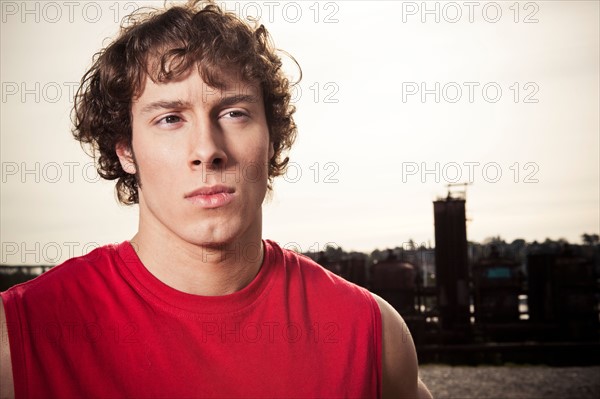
<point x="126" y="158"/>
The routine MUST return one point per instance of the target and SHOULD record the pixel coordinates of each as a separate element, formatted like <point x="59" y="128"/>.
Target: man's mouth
<point x="211" y="197"/>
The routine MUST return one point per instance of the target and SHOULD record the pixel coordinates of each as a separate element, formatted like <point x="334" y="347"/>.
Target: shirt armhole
<point x="377" y="340"/>
<point x="14" y="327"/>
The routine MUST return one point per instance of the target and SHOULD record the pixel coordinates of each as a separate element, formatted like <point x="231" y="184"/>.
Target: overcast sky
<point x="397" y="100"/>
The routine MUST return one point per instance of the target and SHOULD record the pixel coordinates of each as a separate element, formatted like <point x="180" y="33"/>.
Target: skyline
<point x="390" y="110"/>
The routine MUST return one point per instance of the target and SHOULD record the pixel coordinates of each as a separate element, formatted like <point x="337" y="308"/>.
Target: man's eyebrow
<point x="179" y="104"/>
<point x="163" y="104"/>
<point x="226" y="101"/>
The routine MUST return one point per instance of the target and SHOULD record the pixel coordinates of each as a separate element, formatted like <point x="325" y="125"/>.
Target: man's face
<point x="201" y="155"/>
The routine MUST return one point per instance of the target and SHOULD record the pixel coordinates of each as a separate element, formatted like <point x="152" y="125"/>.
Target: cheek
<point x="256" y="147"/>
<point x="156" y="162"/>
<point x="254" y="161"/>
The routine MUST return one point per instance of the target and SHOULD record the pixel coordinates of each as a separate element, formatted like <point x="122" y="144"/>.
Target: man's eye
<point x="234" y="114"/>
<point x="169" y="120"/>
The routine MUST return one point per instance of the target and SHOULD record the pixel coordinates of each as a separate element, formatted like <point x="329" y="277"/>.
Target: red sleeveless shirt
<point x="102" y="326"/>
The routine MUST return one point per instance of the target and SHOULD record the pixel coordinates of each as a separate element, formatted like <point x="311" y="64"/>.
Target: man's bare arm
<point x="6" y="377"/>
<point x="399" y="359"/>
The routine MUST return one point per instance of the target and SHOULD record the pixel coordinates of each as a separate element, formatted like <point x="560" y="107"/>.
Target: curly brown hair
<point x="163" y="45"/>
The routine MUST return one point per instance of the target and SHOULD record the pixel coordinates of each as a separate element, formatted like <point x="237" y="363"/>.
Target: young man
<point x="190" y="112"/>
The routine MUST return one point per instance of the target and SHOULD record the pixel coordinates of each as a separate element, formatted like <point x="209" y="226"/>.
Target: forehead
<point x="191" y="86"/>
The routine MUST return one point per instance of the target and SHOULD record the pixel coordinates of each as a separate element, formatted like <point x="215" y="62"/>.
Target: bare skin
<point x="185" y="140"/>
<point x="399" y="359"/>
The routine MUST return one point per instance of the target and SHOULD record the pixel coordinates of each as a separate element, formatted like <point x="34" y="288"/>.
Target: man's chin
<point x="214" y="241"/>
<point x="215" y="244"/>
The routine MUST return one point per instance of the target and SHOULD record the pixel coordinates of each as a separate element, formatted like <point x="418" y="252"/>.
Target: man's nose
<point x="208" y="149"/>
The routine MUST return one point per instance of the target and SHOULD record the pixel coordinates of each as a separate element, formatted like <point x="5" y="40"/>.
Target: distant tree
<point x="376" y="256"/>
<point x="549" y="246"/>
<point x="516" y="249"/>
<point x="518" y="243"/>
<point x="494" y="240"/>
<point x="590" y="239"/>
<point x="333" y="252"/>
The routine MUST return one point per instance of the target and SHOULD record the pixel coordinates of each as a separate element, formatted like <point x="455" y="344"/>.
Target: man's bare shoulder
<point x="399" y="358"/>
<point x="6" y="377"/>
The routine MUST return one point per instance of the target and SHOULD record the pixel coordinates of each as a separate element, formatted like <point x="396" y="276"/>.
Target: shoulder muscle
<point x="399" y="359"/>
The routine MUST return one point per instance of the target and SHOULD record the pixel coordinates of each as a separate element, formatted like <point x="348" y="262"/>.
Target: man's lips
<point x="211" y="197"/>
<point x="210" y="190"/>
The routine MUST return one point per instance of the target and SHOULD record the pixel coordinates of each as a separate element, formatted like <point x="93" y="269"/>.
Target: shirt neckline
<point x="181" y="303"/>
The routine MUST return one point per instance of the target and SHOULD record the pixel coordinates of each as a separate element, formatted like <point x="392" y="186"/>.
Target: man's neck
<point x="200" y="269"/>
